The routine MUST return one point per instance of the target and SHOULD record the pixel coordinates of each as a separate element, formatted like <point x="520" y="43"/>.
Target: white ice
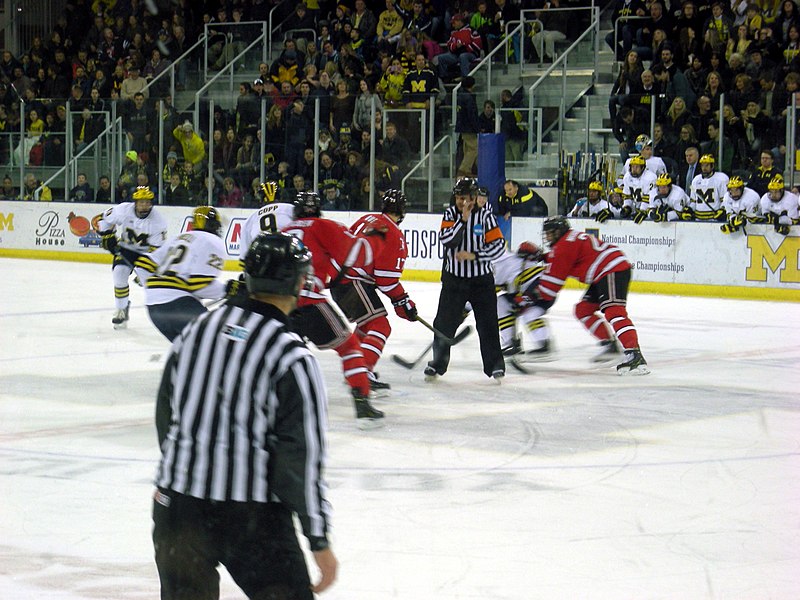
<point x="568" y="483"/>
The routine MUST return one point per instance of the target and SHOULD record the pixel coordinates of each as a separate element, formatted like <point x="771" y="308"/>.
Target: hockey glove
<point x="109" y="241"/>
<point x="603" y="216"/>
<point x="772" y="218"/>
<point x="626" y="212"/>
<point x="530" y="251"/>
<point x="405" y="308"/>
<point x="640" y="216"/>
<point x="719" y="214"/>
<point x="232" y="288"/>
<point x="757" y="219"/>
<point x="782" y="228"/>
<point x="659" y="215"/>
<point x="687" y="214"/>
<point x="521" y="302"/>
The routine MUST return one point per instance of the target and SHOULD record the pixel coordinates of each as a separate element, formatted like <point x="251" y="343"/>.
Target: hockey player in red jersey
<point x="607" y="272"/>
<point x="357" y="294"/>
<point x="334" y="250"/>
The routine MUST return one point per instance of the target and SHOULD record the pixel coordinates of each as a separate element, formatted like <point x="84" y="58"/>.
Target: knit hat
<point x="131" y="154"/>
<point x="172" y="155"/>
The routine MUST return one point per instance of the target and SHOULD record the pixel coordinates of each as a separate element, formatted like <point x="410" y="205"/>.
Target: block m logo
<point x="783" y="260"/>
<point x="6" y="222"/>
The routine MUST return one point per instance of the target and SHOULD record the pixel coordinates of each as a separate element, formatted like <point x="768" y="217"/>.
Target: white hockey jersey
<point x="706" y="194"/>
<point x="585" y="209"/>
<point x="514" y="273"/>
<point x="673" y="204"/>
<point x="135" y="233"/>
<point x="187" y="265"/>
<point x="788" y="204"/>
<point x="637" y="191"/>
<point x="747" y="204"/>
<point x="270" y="218"/>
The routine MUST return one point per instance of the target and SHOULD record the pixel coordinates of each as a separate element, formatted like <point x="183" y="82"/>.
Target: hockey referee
<point x="471" y="240"/>
<point x="241" y="419"/>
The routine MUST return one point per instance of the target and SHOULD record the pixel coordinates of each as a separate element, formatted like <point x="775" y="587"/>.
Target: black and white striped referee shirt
<point x="479" y="235"/>
<point x="247" y="415"/>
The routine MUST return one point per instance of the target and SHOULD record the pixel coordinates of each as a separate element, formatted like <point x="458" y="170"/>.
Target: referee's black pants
<point x="480" y="293"/>
<point x="256" y="542"/>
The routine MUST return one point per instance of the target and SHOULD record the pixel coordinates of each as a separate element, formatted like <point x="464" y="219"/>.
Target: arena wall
<point x="669" y="258"/>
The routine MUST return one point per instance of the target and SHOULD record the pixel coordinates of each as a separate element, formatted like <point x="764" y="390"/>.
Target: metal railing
<point x="426" y="161"/>
<point x="176" y="64"/>
<point x="271" y="30"/>
<point x="562" y="63"/>
<point x="229" y="69"/>
<point x="213" y="29"/>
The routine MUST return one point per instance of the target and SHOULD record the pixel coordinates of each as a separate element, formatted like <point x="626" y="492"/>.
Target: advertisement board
<point x="677" y="258"/>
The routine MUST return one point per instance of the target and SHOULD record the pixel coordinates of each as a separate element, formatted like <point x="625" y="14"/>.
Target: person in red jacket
<point x="357" y="293"/>
<point x="334" y="250"/>
<point x="463" y="47"/>
<point x="607" y="272"/>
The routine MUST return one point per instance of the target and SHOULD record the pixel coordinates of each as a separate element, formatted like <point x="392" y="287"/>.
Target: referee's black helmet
<point x="276" y="263"/>
<point x="466" y="186"/>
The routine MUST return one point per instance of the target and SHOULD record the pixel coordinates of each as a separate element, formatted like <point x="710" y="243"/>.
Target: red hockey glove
<point x="530" y="251"/>
<point x="405" y="308"/>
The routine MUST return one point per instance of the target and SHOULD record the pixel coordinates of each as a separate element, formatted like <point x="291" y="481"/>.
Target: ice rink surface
<point x="567" y="483"/>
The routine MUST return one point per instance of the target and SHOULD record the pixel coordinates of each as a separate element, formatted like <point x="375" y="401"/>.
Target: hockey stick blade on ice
<point x="411" y="364"/>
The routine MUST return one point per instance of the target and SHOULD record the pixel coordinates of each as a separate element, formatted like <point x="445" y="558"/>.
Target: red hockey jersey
<point x="582" y="256"/>
<point x="388" y="253"/>
<point x="332" y="247"/>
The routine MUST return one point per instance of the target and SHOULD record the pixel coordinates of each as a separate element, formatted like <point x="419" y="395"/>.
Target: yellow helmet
<point x="596" y="185"/>
<point x="776" y="183"/>
<point x="143" y="193"/>
<point x="735" y="182"/>
<point x="638" y="160"/>
<point x="616" y="190"/>
<point x="269" y="188"/>
<point x="207" y="218"/>
<point x="707" y="159"/>
<point x="663" y="179"/>
<point x="143" y="199"/>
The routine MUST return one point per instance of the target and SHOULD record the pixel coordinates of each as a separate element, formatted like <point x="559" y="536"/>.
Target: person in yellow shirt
<point x="30" y="186"/>
<point x="194" y="149"/>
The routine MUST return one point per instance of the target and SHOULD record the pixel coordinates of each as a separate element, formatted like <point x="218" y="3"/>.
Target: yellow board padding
<point x="643" y="287"/>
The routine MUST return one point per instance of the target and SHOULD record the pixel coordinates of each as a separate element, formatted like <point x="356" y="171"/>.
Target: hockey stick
<point x="410" y="364"/>
<point x="436" y="332"/>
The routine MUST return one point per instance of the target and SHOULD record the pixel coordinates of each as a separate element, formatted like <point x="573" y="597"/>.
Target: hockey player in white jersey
<point x="594" y="206"/>
<point x="638" y="185"/>
<point x="182" y="272"/>
<point x="669" y="200"/>
<point x="740" y="204"/>
<point x="128" y="231"/>
<point x="706" y="192"/>
<point x="778" y="207"/>
<point x="514" y="273"/>
<point x="654" y="164"/>
<point x="270" y="218"/>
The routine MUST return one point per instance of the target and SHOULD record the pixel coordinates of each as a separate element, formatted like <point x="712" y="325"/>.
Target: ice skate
<point x="634" y="363"/>
<point x="609" y="351"/>
<point x="513" y="348"/>
<point x="498" y="375"/>
<point x="541" y="354"/>
<point x="379" y="388"/>
<point x="431" y="374"/>
<point x="120" y="318"/>
<point x="367" y="416"/>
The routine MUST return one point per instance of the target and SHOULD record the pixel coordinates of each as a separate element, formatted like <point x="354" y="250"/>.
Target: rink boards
<point x="669" y="258"/>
